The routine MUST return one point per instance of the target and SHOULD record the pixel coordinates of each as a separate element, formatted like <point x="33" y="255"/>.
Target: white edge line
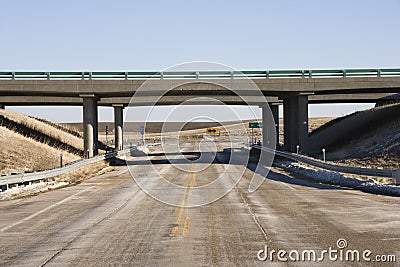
<point x="44" y="210"/>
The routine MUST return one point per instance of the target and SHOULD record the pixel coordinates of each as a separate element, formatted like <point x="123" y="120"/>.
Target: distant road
<point x="108" y="220"/>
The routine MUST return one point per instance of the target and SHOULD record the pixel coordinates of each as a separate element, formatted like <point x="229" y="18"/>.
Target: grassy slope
<point x="43" y="128"/>
<point x="374" y="146"/>
<point x="27" y="144"/>
<point x="380" y="147"/>
<point x="21" y="154"/>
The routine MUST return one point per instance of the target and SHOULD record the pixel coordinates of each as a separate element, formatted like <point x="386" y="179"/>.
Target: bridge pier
<point x="118" y="126"/>
<point x="295" y="116"/>
<point x="268" y="133"/>
<point x="90" y="125"/>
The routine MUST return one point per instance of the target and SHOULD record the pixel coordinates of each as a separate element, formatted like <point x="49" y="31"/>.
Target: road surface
<point x="109" y="220"/>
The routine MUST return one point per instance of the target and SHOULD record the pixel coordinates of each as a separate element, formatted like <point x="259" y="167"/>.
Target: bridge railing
<point x="254" y="74"/>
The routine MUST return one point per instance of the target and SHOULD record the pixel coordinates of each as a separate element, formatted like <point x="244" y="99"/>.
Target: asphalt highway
<point x="111" y="220"/>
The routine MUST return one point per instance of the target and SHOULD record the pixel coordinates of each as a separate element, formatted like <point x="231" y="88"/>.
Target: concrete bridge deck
<point x="294" y="89"/>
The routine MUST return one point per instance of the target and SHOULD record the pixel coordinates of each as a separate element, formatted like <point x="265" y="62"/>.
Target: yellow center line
<point x="186" y="226"/>
<point x="187" y="193"/>
<point x="175" y="229"/>
<point x="187" y="219"/>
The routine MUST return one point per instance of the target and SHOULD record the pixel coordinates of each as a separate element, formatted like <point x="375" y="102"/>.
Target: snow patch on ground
<point x="336" y="178"/>
<point x="26" y="190"/>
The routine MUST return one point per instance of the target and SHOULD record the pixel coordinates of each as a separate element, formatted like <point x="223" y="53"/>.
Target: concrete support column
<point x="90" y="122"/>
<point x="118" y="126"/>
<point x="288" y="121"/>
<point x="269" y="122"/>
<point x="295" y="116"/>
<point x="275" y="114"/>
<point x="302" y="121"/>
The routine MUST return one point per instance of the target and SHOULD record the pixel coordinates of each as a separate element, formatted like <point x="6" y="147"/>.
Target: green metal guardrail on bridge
<point x="118" y="75"/>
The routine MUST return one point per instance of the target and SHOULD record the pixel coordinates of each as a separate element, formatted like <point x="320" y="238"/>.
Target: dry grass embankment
<point x="35" y="129"/>
<point x="369" y="138"/>
<point x="28" y="144"/>
<point x="19" y="154"/>
<point x="61" y="126"/>
<point x="379" y="147"/>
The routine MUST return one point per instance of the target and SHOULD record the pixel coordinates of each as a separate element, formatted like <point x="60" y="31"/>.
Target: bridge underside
<point x="29" y="100"/>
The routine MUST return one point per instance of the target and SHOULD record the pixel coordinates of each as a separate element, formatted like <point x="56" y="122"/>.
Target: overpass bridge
<point x="294" y="89"/>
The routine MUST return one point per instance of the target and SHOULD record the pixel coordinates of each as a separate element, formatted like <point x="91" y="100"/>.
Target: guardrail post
<point x="267" y="74"/>
<point x="13" y="75"/>
<point x="48" y="75"/>
<point x="83" y="75"/>
<point x="379" y="73"/>
<point x="90" y="75"/>
<point x="232" y="74"/>
<point x="161" y="75"/>
<point x="344" y="73"/>
<point x="310" y="74"/>
<point x="197" y="75"/>
<point x="126" y="75"/>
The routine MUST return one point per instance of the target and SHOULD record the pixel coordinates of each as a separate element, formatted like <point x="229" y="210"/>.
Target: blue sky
<point x="153" y="35"/>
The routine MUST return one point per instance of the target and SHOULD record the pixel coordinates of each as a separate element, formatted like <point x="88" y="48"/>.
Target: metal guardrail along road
<point x="395" y="174"/>
<point x="42" y="175"/>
